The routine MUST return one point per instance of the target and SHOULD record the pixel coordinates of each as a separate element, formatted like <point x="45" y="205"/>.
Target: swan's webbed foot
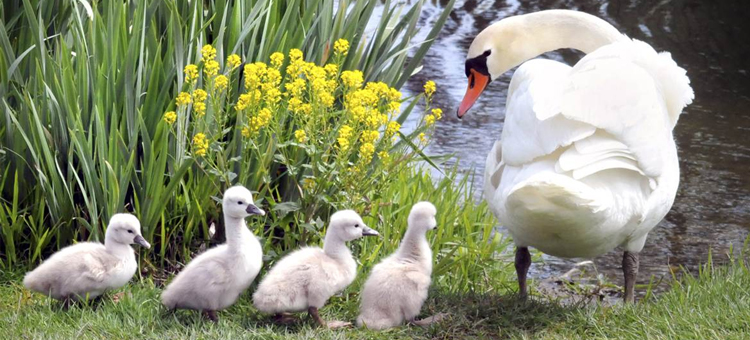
<point x="523" y="262"/>
<point x="630" y="270"/>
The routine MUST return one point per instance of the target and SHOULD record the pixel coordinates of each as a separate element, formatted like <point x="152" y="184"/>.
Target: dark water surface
<point x="711" y="39"/>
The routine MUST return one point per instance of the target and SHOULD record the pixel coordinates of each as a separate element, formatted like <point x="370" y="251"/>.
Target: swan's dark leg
<point x="314" y="314"/>
<point x="523" y="262"/>
<point x="211" y="315"/>
<point x="630" y="270"/>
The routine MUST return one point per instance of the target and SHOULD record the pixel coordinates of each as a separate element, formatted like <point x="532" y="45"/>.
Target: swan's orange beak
<point x="477" y="83"/>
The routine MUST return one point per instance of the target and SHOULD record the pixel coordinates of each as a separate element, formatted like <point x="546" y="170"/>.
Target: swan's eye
<point x="240" y="203"/>
<point x="130" y="231"/>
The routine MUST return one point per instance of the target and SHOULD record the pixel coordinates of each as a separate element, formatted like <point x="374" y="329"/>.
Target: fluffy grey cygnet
<point x="397" y="286"/>
<point x="215" y="279"/>
<point x="87" y="269"/>
<point x="306" y="278"/>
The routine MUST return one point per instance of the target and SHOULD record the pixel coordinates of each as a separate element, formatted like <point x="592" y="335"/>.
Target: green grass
<point x="713" y="304"/>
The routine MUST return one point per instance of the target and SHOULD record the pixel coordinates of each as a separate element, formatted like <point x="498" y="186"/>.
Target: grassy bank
<point x="712" y="304"/>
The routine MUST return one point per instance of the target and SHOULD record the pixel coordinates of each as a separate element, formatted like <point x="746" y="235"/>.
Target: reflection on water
<point x="709" y="39"/>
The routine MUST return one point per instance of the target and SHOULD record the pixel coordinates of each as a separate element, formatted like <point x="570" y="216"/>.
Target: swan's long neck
<point x="414" y="246"/>
<point x="335" y="247"/>
<point x="236" y="231"/>
<point x="517" y="39"/>
<point x="555" y="29"/>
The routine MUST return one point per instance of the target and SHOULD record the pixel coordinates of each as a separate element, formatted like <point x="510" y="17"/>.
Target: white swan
<point x="88" y="269"/>
<point x="215" y="279"/>
<point x="586" y="161"/>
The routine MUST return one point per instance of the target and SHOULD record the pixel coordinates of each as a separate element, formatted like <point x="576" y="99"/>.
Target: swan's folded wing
<point x="534" y="126"/>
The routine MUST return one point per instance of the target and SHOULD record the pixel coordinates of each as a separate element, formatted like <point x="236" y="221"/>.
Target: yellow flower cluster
<point x="208" y="52"/>
<point x="221" y="82"/>
<point x="199" y="102"/>
<point x="170" y="117"/>
<point x="392" y="128"/>
<point x="233" y="61"/>
<point x="258" y="121"/>
<point x="429" y="88"/>
<point x="365" y="152"/>
<point x="436" y="114"/>
<point x="345" y="132"/>
<point x="352" y="79"/>
<point x="211" y="68"/>
<point x="183" y="99"/>
<point x="277" y="58"/>
<point x="300" y="136"/>
<point x="263" y="82"/>
<point x="341" y="47"/>
<point x="191" y="73"/>
<point x="200" y="144"/>
<point x="369" y="136"/>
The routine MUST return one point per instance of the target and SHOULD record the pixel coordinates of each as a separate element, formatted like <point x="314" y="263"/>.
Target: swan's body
<point x="586" y="161"/>
<point x="397" y="286"/>
<point x="215" y="279"/>
<point x="88" y="269"/>
<point x="307" y="278"/>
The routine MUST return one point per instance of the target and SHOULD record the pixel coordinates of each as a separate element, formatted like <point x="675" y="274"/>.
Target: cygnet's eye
<point x="356" y="225"/>
<point x="130" y="231"/>
<point x="240" y="203"/>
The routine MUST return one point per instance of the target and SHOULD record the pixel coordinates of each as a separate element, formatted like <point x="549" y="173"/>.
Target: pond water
<point x="708" y="38"/>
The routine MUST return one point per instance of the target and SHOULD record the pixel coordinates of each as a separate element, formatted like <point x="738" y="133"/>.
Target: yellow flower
<point x="260" y="120"/>
<point x="332" y="70"/>
<point x="208" y="52"/>
<point x="243" y="101"/>
<point x="429" y="88"/>
<point x="369" y="136"/>
<point x="221" y="82"/>
<point x="273" y="77"/>
<point x="429" y="120"/>
<point x="326" y="99"/>
<point x="296" y="87"/>
<point x="341" y="47"/>
<point x="200" y="144"/>
<point x="394" y="107"/>
<point x="277" y="59"/>
<point x="211" y="68"/>
<point x="392" y="128"/>
<point x="183" y="99"/>
<point x="233" y="61"/>
<point x="366" y="151"/>
<point x="199" y="108"/>
<point x="191" y="73"/>
<point x="394" y="95"/>
<point x="343" y="144"/>
<point x="306" y="108"/>
<point x="273" y="96"/>
<point x="170" y="117"/>
<point x="438" y="113"/>
<point x="352" y="79"/>
<point x="422" y="138"/>
<point x="345" y="131"/>
<point x="300" y="136"/>
<point x="199" y="95"/>
<point x="295" y="54"/>
<point x="246" y="132"/>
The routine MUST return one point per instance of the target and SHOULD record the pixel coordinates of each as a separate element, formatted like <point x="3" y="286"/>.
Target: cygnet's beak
<point x="141" y="242"/>
<point x="254" y="210"/>
<point x="366" y="231"/>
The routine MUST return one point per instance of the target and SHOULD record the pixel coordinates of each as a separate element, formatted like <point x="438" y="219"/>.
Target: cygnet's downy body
<point x="398" y="285"/>
<point x="215" y="279"/>
<point x="86" y="270"/>
<point x="308" y="277"/>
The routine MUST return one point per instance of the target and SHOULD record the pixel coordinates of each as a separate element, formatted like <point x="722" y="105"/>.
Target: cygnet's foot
<point x="285" y="318"/>
<point x="211" y="315"/>
<point x="430" y="320"/>
<point x="67" y="302"/>
<point x="333" y="324"/>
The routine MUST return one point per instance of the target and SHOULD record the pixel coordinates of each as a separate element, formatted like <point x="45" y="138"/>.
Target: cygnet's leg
<point x="630" y="271"/>
<point x="313" y="311"/>
<point x="211" y="315"/>
<point x="523" y="262"/>
<point x="430" y="320"/>
<point x="67" y="302"/>
<point x="284" y="318"/>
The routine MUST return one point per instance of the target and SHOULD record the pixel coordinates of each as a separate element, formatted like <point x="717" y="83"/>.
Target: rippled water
<point x="709" y="39"/>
